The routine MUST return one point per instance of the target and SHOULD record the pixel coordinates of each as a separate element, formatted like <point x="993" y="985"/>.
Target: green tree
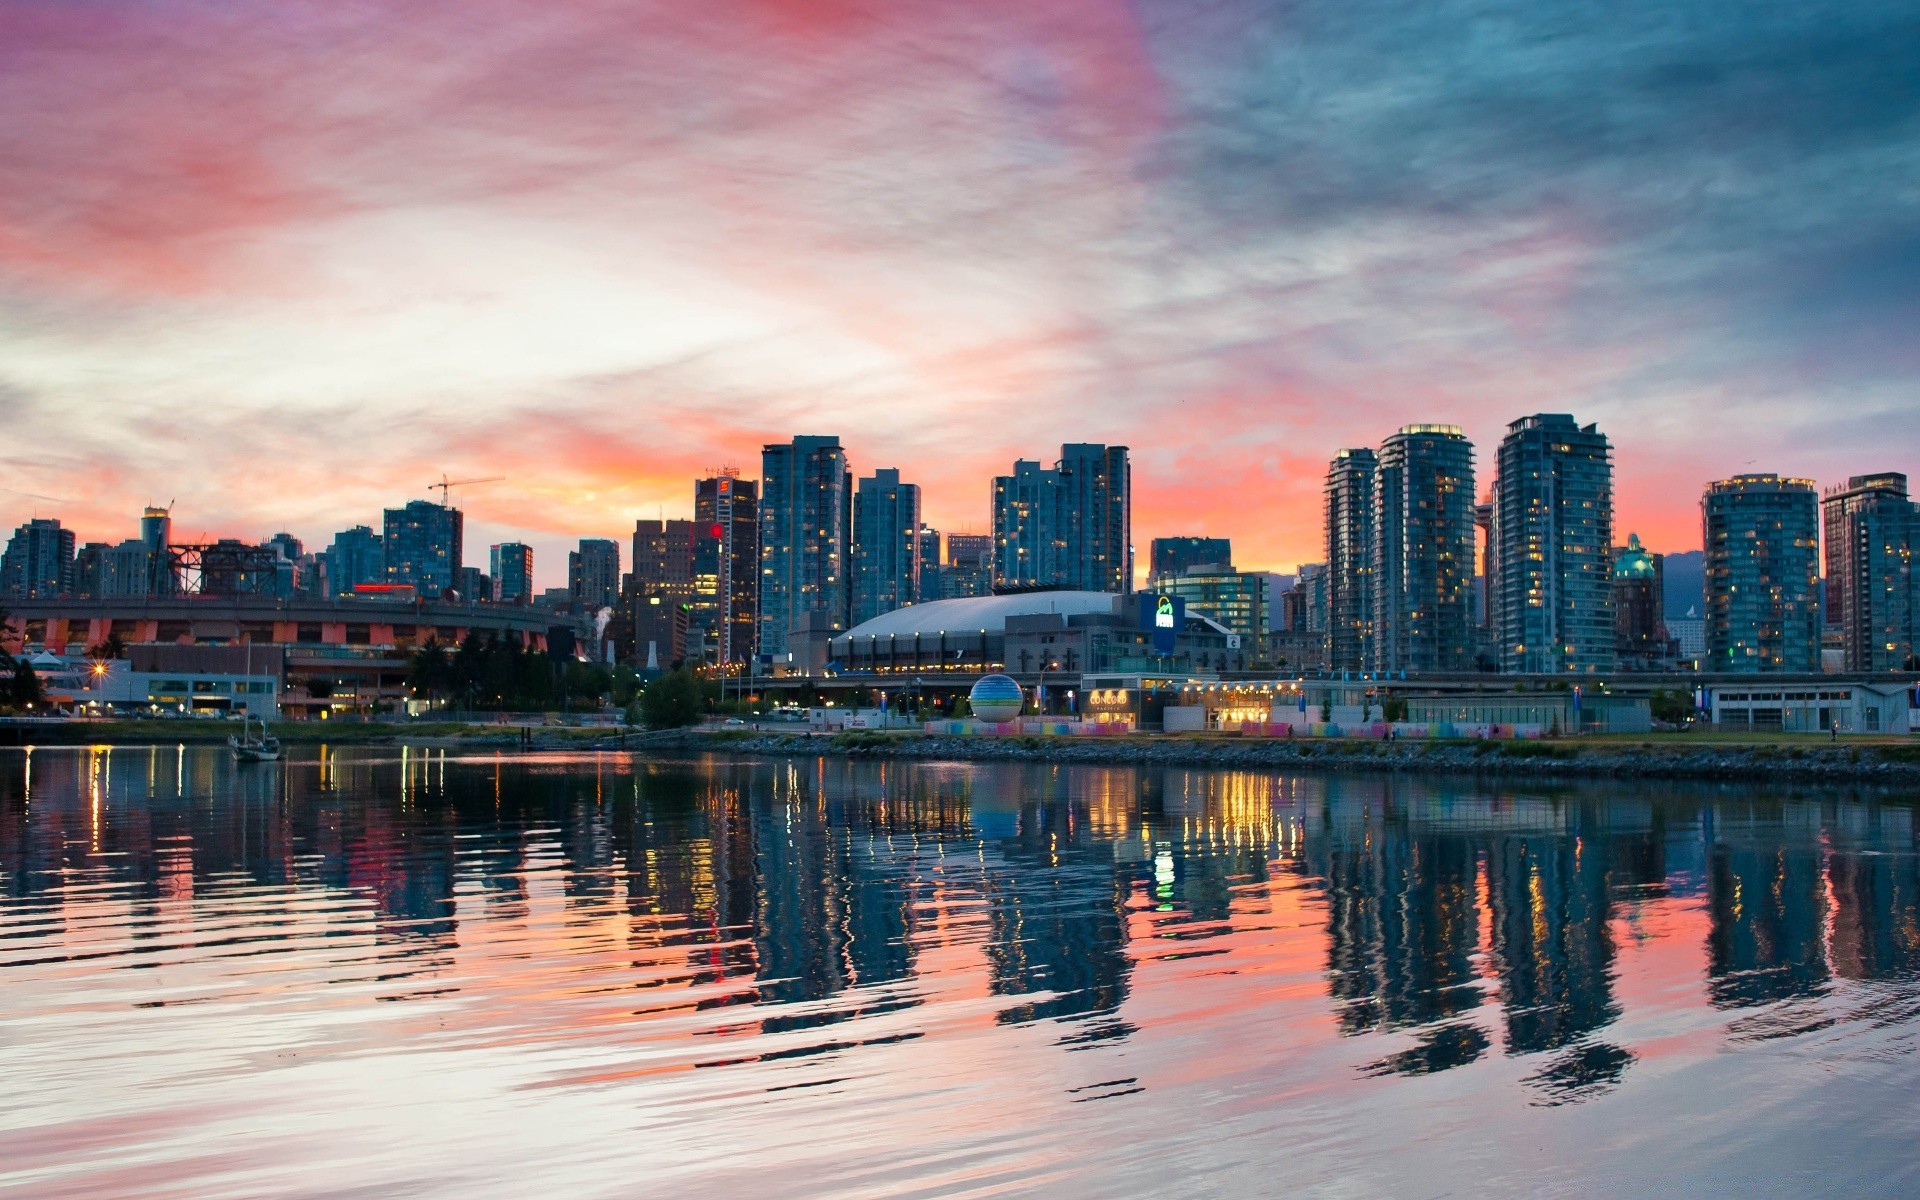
<point x="108" y="648"/>
<point x="25" y="687"/>
<point x="673" y="701"/>
<point x="1673" y="706"/>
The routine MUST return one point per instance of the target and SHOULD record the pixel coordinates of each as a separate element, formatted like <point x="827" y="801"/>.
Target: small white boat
<point x="248" y="748"/>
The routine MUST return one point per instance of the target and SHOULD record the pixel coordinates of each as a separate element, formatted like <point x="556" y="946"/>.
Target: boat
<point x="248" y="748"/>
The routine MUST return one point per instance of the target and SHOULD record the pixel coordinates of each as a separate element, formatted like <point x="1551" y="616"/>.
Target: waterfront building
<point x="357" y="556"/>
<point x="1177" y="555"/>
<point x="1422" y="570"/>
<point x="1762" y="574"/>
<point x="423" y="546"/>
<point x="38" y="561"/>
<point x="1240" y="600"/>
<point x="1640" y="638"/>
<point x="804" y="531"/>
<point x="593" y="574"/>
<point x="886" y="544"/>
<point x="1872" y="530"/>
<point x="1550" y="587"/>
<point x="1068" y="527"/>
<point x="1349" y="567"/>
<point x="726" y="508"/>
<point x="511" y="565"/>
<point x="968" y="570"/>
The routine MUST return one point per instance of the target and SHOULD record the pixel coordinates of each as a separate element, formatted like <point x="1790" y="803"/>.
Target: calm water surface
<point x="414" y="973"/>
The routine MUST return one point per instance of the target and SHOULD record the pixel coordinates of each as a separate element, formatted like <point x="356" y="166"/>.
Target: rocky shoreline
<point x="1880" y="764"/>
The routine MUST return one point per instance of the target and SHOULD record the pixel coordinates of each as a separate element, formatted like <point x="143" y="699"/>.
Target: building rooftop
<point x="977" y="614"/>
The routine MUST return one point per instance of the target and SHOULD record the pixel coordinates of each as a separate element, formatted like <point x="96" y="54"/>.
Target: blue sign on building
<point x="1164" y="617"/>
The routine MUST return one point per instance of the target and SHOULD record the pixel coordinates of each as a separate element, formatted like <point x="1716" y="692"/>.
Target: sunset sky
<point x="284" y="263"/>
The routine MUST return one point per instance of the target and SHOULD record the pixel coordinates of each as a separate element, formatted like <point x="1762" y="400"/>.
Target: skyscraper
<point x="927" y="542"/>
<point x="511" y="565"/>
<point x="1551" y="587"/>
<point x="1762" y="572"/>
<point x="1872" y="529"/>
<point x="593" y="574"/>
<point x="1350" y="501"/>
<point x="357" y="556"/>
<point x="423" y="545"/>
<point x="1177" y="555"/>
<point x="38" y="562"/>
<point x="727" y="510"/>
<point x="156" y="532"/>
<point x="804" y="526"/>
<point x="1096" y="516"/>
<point x="1423" y="551"/>
<point x="1069" y="527"/>
<point x="886" y="544"/>
<point x="969" y="566"/>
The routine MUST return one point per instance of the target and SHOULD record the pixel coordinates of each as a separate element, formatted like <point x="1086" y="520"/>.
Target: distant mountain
<point x="1685" y="584"/>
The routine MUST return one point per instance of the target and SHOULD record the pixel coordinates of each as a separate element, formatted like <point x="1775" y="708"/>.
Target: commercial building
<point x="511" y="566"/>
<point x="1811" y="704"/>
<point x="968" y="570"/>
<point x="1762" y="574"/>
<point x="1872" y="531"/>
<point x="726" y="514"/>
<point x="1550" y="587"/>
<point x="1640" y="637"/>
<point x="423" y="546"/>
<point x="1422" y="571"/>
<point x="1349" y="567"/>
<point x="357" y="556"/>
<point x="886" y="544"/>
<point x="656" y="611"/>
<point x="38" y="562"/>
<point x="1170" y="556"/>
<point x="1068" y="527"/>
<point x="804" y="531"/>
<point x="593" y="574"/>
<point x="1240" y="600"/>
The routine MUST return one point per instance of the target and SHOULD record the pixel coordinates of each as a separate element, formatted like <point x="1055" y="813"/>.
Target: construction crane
<point x="446" y="486"/>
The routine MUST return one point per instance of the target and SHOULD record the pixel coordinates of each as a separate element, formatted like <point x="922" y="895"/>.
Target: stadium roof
<point x="975" y="614"/>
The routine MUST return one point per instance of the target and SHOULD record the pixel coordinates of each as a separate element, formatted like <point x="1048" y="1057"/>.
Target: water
<point x="414" y="973"/>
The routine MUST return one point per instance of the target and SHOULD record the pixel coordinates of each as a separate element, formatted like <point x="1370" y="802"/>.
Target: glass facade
<point x="1349" y="573"/>
<point x="1423" y="551"/>
<point x="1550" y="589"/>
<point x="1872" y="528"/>
<point x="423" y="547"/>
<point x="804" y="519"/>
<point x="886" y="544"/>
<point x="1762" y="539"/>
<point x="1066" y="527"/>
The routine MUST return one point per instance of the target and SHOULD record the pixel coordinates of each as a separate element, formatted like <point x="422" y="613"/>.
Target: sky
<point x="285" y="264"/>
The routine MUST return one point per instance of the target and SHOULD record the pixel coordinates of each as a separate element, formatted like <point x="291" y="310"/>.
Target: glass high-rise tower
<point x="1873" y="530"/>
<point x="1349" y="573"/>
<point x="1762" y="572"/>
<point x="886" y="544"/>
<point x="422" y="545"/>
<point x="1068" y="527"/>
<point x="804" y="520"/>
<point x="1423" y="551"/>
<point x="1551" y="590"/>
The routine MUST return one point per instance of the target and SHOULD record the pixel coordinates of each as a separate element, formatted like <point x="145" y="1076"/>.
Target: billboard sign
<point x="1162" y="616"/>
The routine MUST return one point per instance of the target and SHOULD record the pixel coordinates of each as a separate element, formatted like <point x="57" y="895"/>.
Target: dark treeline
<point x="503" y="675"/>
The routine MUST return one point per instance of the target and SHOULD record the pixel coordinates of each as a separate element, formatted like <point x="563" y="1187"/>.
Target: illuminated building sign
<point x="1164" y="616"/>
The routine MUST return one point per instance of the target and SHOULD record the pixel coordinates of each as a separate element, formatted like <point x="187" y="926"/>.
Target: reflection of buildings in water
<point x="1402" y="925"/>
<point x="1876" y="914"/>
<point x="1768" y="912"/>
<point x="1549" y="905"/>
<point x="1056" y="917"/>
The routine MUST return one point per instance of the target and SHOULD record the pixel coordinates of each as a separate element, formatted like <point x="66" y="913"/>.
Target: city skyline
<point x="948" y="236"/>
